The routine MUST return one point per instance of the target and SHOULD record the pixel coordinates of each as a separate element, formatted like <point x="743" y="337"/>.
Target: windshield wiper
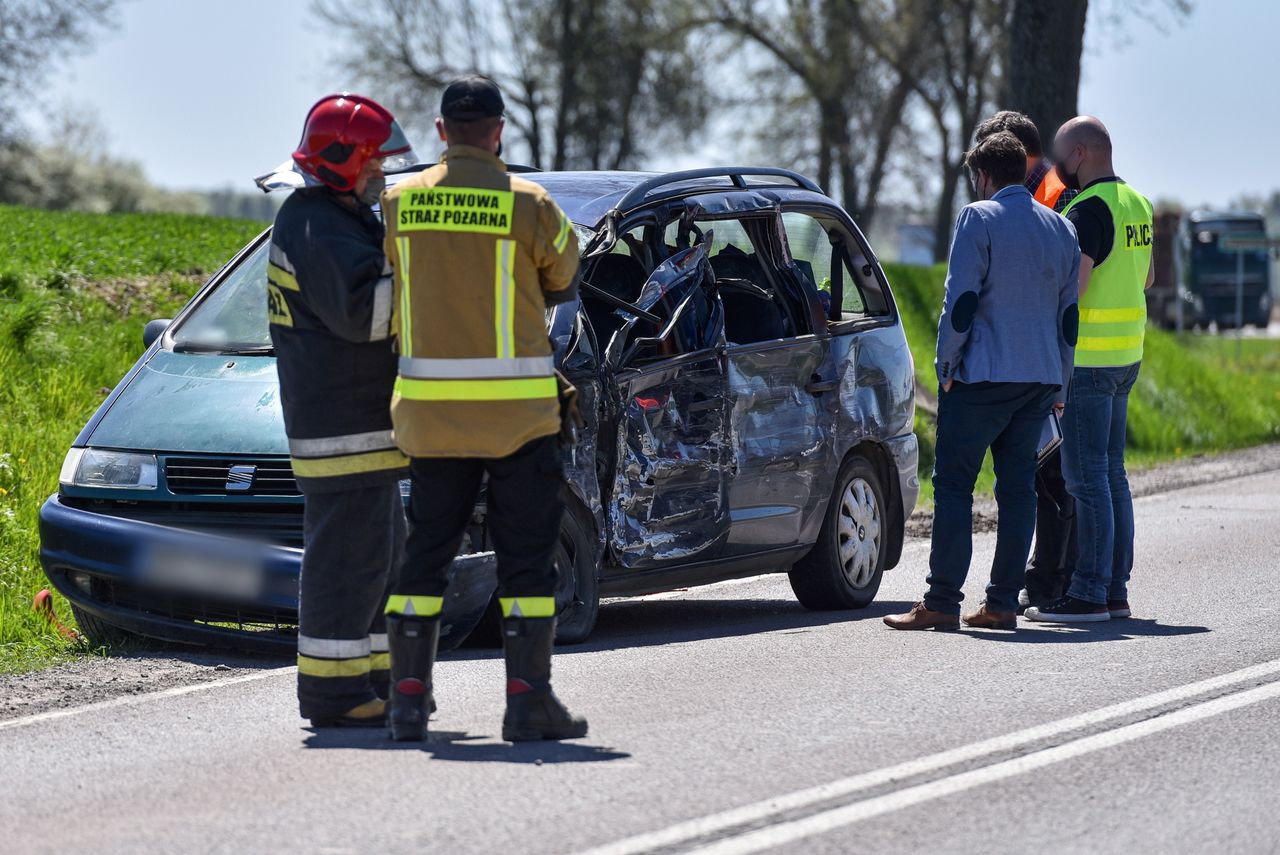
<point x="223" y="349"/>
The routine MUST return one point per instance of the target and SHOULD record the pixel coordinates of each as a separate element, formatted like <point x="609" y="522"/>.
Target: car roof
<point x="587" y="197"/>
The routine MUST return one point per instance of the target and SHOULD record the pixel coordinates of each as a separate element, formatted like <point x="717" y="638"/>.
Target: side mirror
<point x="154" y="329"/>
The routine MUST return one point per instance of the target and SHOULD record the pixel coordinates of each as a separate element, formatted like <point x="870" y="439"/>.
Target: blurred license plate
<point x="207" y="572"/>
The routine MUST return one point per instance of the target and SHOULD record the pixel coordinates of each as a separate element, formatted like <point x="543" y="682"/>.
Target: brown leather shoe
<point x="921" y="618"/>
<point x="984" y="618"/>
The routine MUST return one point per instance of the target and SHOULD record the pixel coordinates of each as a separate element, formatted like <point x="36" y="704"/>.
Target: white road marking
<point x="686" y="831"/>
<point x="130" y="700"/>
<point x="835" y="818"/>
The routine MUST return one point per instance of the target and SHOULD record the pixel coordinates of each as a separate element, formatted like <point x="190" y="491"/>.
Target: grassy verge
<point x="1196" y="393"/>
<point x="75" y="292"/>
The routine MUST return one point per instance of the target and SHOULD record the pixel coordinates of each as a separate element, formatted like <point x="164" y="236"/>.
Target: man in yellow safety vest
<point x="1114" y="225"/>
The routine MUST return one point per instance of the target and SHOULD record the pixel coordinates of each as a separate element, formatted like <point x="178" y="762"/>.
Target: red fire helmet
<point x="344" y="132"/>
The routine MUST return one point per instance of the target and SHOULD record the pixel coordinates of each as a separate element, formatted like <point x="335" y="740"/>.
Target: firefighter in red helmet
<point x="329" y="307"/>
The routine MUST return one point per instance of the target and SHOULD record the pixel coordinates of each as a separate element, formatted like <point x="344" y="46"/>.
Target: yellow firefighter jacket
<point x="478" y="256"/>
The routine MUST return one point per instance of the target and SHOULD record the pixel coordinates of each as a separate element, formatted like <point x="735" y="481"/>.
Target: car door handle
<point x="817" y="385"/>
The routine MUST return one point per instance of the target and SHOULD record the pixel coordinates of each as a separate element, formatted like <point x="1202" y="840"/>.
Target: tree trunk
<point x="1043" y="78"/>
<point x="824" y="148"/>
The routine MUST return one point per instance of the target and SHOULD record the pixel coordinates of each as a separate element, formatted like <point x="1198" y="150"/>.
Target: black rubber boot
<point x="533" y="711"/>
<point x="413" y="642"/>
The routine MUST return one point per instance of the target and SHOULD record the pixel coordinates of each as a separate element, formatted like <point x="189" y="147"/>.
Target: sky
<point x="207" y="95"/>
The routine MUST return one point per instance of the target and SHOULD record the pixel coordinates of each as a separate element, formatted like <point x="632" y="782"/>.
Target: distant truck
<point x="1187" y="250"/>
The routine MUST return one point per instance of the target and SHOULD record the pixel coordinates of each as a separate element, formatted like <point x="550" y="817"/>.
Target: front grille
<point x="279" y="524"/>
<point x="254" y="619"/>
<point x="215" y="476"/>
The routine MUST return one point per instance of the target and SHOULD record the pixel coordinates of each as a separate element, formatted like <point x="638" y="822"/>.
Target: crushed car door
<point x="669" y="497"/>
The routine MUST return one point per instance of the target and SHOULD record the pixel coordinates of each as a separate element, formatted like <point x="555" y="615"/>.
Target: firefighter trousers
<point x="524" y="505"/>
<point x="353" y="545"/>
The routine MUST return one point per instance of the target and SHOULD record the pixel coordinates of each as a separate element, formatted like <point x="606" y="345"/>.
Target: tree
<point x="581" y="77"/>
<point x="954" y="71"/>
<point x="1046" y="40"/>
<point x="855" y="102"/>
<point x="33" y="31"/>
<point x="1045" y="44"/>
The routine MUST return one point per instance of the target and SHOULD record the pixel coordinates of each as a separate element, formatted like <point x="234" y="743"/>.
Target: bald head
<point x="1086" y="131"/>
<point x="1082" y="151"/>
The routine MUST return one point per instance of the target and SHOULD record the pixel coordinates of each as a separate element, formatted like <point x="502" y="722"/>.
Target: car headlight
<point x="97" y="467"/>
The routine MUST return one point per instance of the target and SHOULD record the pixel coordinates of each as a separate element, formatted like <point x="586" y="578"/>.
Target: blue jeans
<point x="1093" y="435"/>
<point x="1007" y="418"/>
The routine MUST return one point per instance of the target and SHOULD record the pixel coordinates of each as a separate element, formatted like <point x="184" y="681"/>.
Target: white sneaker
<point x="1068" y="610"/>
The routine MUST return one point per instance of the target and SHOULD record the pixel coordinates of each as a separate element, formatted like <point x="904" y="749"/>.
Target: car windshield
<point x="234" y="317"/>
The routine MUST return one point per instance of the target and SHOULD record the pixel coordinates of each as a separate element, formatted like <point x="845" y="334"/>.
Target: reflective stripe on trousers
<point x="529" y="607"/>
<point x="333" y="657"/>
<point x="349" y="454"/>
<point x="414" y="605"/>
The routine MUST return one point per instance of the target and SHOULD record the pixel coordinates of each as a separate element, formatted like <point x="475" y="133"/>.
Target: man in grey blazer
<point x="1005" y="351"/>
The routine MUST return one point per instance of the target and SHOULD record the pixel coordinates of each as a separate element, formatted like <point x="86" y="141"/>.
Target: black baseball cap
<point x="472" y="97"/>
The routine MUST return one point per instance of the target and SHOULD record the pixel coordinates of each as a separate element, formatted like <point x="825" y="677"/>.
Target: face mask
<point x="1070" y="180"/>
<point x="372" y="191"/>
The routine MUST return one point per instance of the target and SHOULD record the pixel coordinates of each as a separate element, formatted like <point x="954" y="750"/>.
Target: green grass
<point x="1194" y="394"/>
<point x="75" y="292"/>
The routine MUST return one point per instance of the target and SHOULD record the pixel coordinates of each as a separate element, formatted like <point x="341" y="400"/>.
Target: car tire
<point x="844" y="569"/>
<point x="578" y="589"/>
<point x="99" y="633"/>
<point x="577" y="592"/>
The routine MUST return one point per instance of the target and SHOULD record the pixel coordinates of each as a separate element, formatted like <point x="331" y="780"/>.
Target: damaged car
<point x="743" y="374"/>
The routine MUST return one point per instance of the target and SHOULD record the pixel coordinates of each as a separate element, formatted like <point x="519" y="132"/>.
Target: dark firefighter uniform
<point x="329" y="302"/>
<point x="478" y="256"/>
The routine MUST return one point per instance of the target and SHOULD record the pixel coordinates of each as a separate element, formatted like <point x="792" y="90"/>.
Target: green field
<point x="1194" y="394"/>
<point x="76" y="290"/>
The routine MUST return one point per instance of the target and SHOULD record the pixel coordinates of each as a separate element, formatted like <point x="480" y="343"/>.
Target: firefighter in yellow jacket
<point x="478" y="256"/>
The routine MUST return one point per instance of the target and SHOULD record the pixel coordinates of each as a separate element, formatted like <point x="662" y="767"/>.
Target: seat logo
<point x="240" y="478"/>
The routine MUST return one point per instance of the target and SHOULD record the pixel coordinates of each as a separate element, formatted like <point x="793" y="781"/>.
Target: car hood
<point x="189" y="402"/>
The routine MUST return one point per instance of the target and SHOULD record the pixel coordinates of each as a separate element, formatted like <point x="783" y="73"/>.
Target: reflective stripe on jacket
<point x="1113" y="309"/>
<point x="329" y="306"/>
<point x="478" y="256"/>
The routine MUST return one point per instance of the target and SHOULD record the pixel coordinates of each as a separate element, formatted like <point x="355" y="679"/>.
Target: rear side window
<point x="825" y="253"/>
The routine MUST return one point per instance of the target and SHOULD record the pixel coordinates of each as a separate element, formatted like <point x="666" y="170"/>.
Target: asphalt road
<point x="729" y="720"/>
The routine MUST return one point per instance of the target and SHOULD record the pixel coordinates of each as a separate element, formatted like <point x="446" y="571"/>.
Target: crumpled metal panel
<point x="669" y="500"/>
<point x="781" y="437"/>
<point x="574" y="357"/>
<point x="877" y="393"/>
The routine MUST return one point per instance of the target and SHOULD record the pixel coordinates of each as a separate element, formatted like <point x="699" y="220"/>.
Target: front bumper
<point x="99" y="563"/>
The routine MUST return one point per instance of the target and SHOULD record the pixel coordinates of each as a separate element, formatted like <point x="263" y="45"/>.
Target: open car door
<point x="669" y="497"/>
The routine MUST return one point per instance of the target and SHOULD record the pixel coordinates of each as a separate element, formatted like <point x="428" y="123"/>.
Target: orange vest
<point x="1050" y="189"/>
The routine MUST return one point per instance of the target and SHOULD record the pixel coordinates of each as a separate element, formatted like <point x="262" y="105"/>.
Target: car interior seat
<point x="748" y="316"/>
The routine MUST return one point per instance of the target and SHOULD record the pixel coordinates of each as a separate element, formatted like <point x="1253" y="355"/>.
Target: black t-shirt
<point x="1095" y="227"/>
